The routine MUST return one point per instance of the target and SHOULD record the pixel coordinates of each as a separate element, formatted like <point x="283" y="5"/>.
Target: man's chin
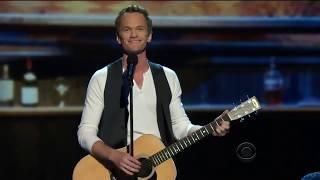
<point x="134" y="51"/>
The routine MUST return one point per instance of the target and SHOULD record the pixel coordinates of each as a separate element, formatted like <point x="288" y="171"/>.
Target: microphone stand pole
<point x="131" y="114"/>
<point x="131" y="68"/>
<point x="132" y="61"/>
<point x="130" y="148"/>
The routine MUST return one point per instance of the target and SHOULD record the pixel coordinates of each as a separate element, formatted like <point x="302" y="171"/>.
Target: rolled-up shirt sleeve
<point x="92" y="111"/>
<point x="181" y="125"/>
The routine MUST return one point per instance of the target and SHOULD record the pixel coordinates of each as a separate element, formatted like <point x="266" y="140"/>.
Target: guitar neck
<point x="244" y="109"/>
<point x="187" y="141"/>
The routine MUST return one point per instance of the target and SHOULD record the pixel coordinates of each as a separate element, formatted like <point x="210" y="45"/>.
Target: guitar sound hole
<point x="146" y="168"/>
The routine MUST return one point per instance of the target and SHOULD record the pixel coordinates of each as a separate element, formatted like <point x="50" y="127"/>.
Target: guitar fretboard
<point x="187" y="141"/>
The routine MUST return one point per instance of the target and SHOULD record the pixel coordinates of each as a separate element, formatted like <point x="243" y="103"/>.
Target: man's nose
<point x="133" y="33"/>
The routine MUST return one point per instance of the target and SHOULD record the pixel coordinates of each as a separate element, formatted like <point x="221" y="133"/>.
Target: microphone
<point x="132" y="61"/>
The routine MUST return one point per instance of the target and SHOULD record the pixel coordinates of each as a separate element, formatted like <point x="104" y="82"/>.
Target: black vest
<point x="112" y="127"/>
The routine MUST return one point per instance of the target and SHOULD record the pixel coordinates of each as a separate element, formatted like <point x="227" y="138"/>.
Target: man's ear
<point x="149" y="37"/>
<point x="118" y="39"/>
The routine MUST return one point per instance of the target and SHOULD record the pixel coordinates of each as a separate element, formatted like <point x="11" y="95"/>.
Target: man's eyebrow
<point x="134" y="27"/>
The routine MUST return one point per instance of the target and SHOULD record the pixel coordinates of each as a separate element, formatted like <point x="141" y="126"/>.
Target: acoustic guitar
<point x="156" y="159"/>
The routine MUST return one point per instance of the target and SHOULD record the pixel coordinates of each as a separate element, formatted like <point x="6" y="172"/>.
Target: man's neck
<point x="142" y="65"/>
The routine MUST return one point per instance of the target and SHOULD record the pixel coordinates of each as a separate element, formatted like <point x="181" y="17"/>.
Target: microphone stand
<point x="132" y="62"/>
<point x="131" y="113"/>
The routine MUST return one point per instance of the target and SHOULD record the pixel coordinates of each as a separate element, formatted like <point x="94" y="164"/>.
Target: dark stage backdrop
<point x="220" y="51"/>
<point x="45" y="147"/>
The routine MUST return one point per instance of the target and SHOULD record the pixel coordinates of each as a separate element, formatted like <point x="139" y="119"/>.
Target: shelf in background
<point x="77" y="110"/>
<point x="275" y="108"/>
<point x="38" y="111"/>
<point x="233" y="22"/>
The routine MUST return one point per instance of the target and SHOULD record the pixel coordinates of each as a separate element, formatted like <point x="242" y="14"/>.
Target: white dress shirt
<point x="144" y="109"/>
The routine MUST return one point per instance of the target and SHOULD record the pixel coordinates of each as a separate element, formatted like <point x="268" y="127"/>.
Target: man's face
<point x="133" y="33"/>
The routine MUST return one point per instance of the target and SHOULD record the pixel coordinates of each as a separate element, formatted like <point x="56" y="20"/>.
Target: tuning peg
<point x="234" y="105"/>
<point x="242" y="119"/>
<point x="248" y="96"/>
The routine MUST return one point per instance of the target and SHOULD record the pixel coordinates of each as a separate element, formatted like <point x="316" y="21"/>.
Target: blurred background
<point x="222" y="51"/>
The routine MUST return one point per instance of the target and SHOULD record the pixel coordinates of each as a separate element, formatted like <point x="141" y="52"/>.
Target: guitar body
<point x="88" y="168"/>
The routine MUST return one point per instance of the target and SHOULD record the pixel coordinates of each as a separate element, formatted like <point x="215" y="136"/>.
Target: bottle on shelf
<point x="29" y="87"/>
<point x="273" y="85"/>
<point x="6" y="87"/>
<point x="62" y="88"/>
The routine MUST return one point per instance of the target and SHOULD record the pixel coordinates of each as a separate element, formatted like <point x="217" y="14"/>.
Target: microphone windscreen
<point x="132" y="59"/>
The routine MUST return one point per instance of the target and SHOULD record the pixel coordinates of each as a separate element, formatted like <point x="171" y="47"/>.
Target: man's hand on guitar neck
<point x="222" y="127"/>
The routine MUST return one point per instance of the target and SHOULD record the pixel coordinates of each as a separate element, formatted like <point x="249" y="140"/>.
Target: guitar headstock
<point x="249" y="106"/>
